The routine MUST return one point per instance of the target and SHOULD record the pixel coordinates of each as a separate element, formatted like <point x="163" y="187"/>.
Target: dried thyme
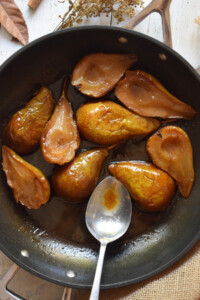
<point x="79" y="9"/>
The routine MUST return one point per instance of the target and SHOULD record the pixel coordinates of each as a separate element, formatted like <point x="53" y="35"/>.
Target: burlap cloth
<point x="179" y="282"/>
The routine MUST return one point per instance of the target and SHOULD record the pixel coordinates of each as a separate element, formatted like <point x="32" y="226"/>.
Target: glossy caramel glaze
<point x="60" y="138"/>
<point x="75" y="181"/>
<point x="170" y="149"/>
<point x="107" y="122"/>
<point x="24" y="130"/>
<point x="96" y="74"/>
<point x="30" y="187"/>
<point x="144" y="94"/>
<point x="150" y="187"/>
<point x="65" y="221"/>
<point x="110" y="199"/>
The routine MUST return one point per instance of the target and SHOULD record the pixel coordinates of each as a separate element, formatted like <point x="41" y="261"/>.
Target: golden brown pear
<point x="24" y="130"/>
<point x="144" y="94"/>
<point x="75" y="181"/>
<point x="150" y="187"/>
<point x="96" y="74"/>
<point x="106" y="122"/>
<point x="170" y="149"/>
<point x="60" y="138"/>
<point x="30" y="187"/>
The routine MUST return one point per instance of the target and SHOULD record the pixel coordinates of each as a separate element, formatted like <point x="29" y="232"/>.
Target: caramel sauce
<point x="110" y="199"/>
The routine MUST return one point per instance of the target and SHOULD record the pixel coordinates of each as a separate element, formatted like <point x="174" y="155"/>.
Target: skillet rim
<point x="182" y="60"/>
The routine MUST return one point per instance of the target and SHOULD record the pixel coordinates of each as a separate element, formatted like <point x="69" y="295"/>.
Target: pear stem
<point x="111" y="147"/>
<point x="64" y="87"/>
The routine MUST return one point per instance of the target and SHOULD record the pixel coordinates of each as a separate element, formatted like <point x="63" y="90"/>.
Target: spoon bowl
<point x="108" y="217"/>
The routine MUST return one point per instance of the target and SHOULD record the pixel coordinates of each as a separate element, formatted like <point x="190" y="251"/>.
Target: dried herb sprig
<point x="94" y="8"/>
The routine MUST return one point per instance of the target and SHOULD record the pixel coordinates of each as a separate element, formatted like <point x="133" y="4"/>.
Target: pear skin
<point x="151" y="188"/>
<point x="96" y="74"/>
<point x="107" y="122"/>
<point x="24" y="130"/>
<point x="30" y="186"/>
<point x="60" y="138"/>
<point x="145" y="95"/>
<point x="76" y="180"/>
<point x="170" y="149"/>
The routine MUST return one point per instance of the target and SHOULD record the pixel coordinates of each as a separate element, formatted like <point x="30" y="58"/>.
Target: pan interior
<point x="55" y="236"/>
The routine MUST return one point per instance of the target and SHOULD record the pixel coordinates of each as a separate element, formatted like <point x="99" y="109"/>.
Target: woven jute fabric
<point x="179" y="282"/>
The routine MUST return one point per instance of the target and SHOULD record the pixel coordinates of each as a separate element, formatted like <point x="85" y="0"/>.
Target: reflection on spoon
<point x="108" y="216"/>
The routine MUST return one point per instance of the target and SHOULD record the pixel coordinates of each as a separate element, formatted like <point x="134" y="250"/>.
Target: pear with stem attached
<point x="60" y="138"/>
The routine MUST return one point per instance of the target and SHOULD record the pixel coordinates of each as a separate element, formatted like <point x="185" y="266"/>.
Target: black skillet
<point x="55" y="236"/>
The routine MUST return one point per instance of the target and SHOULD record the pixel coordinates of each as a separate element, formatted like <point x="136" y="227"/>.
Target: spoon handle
<point x="97" y="278"/>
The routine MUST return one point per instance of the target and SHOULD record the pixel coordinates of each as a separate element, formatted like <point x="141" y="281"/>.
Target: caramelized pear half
<point x="30" y="187"/>
<point x="106" y="122"/>
<point x="151" y="188"/>
<point x="145" y="95"/>
<point x="170" y="149"/>
<point x="96" y="74"/>
<point x="60" y="138"/>
<point x="75" y="181"/>
<point x="24" y="130"/>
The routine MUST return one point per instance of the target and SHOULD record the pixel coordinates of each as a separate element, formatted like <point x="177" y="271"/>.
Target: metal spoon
<point x="108" y="216"/>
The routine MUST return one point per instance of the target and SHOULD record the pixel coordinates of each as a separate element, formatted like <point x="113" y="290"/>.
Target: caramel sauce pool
<point x="110" y="199"/>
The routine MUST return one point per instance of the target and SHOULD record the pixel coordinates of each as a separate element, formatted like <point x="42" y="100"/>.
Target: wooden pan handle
<point x="162" y="7"/>
<point x="141" y="16"/>
<point x="164" y="11"/>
